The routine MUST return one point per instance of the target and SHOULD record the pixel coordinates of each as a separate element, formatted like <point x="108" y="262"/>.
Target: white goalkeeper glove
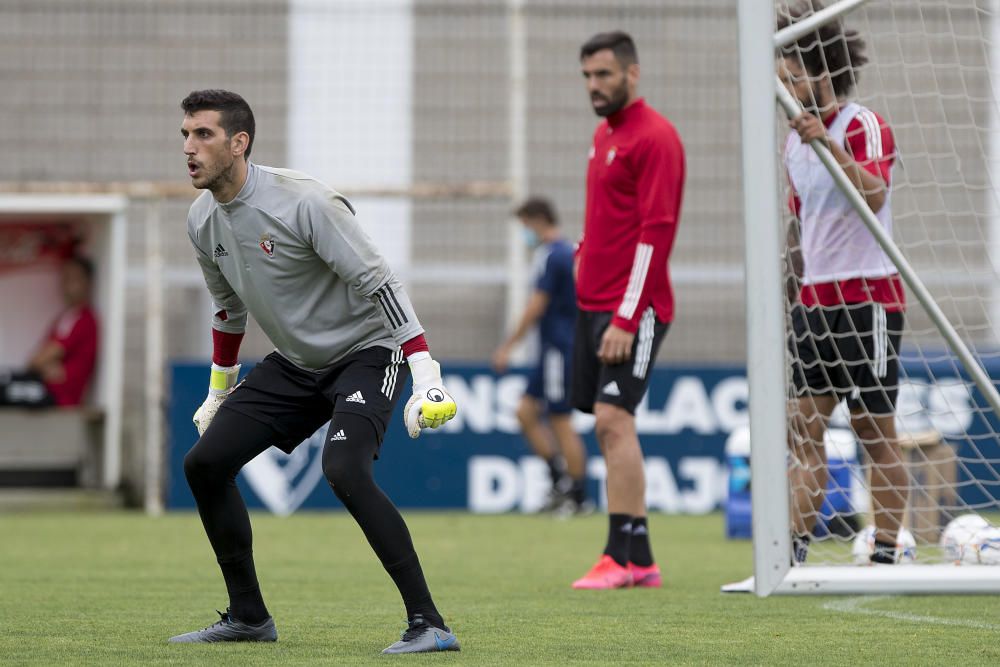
<point x="221" y="384"/>
<point x="430" y="406"/>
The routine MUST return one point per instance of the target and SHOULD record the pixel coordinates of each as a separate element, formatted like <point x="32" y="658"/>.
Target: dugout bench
<point x="52" y="447"/>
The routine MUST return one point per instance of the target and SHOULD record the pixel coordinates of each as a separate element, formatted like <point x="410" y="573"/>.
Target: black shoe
<point x="422" y="637"/>
<point x="555" y="502"/>
<point x="800" y="549"/>
<point x="570" y="507"/>
<point x="228" y="629"/>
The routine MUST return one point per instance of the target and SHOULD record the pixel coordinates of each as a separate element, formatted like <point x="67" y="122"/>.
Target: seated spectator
<point x="60" y="370"/>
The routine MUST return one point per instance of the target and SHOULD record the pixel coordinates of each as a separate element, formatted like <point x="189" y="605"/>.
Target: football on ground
<point x="957" y="536"/>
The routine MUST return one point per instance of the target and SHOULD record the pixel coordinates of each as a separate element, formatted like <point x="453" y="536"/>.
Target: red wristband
<point x="414" y="345"/>
<point x="225" y="347"/>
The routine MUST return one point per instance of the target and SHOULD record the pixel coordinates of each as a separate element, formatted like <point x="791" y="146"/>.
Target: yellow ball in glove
<point x="431" y="405"/>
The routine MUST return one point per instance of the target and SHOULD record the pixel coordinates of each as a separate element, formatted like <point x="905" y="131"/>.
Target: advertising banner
<point x="479" y="462"/>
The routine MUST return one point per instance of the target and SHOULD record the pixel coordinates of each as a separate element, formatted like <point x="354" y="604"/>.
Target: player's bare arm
<point x="793" y="260"/>
<point x="533" y="312"/>
<point x="871" y="187"/>
<point x="47" y="362"/>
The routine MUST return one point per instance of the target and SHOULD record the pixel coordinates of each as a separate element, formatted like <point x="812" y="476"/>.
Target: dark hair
<point x="86" y="265"/>
<point x="234" y="112"/>
<point x="619" y="42"/>
<point x="828" y="49"/>
<point x="538" y="207"/>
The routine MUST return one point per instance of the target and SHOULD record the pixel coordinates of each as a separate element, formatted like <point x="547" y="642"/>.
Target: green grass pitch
<point x="108" y="589"/>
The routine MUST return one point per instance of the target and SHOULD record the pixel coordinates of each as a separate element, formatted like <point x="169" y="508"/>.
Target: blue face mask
<point x="529" y="236"/>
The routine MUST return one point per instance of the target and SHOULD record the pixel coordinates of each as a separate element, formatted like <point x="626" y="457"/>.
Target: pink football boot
<point x="645" y="577"/>
<point x="606" y="574"/>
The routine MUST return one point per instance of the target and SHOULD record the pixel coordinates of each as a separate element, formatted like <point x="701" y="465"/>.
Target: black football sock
<point x="555" y="470"/>
<point x="409" y="579"/>
<point x="245" y="601"/>
<point x="210" y="468"/>
<point x="578" y="491"/>
<point x="884" y="552"/>
<point x="639" y="549"/>
<point x="619" y="537"/>
<point x="347" y="465"/>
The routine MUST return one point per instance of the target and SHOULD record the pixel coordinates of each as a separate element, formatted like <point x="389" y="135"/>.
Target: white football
<point x="864" y="545"/>
<point x="984" y="547"/>
<point x="957" y="536"/>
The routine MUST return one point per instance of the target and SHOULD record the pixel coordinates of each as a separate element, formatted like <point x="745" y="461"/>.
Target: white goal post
<point x="766" y="315"/>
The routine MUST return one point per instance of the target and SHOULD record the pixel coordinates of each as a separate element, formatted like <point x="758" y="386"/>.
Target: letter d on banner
<point x="494" y="484"/>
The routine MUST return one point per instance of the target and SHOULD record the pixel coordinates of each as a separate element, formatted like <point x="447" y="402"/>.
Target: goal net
<point x="890" y="414"/>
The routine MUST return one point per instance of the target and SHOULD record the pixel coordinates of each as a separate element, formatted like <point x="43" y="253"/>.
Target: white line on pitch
<point x="854" y="606"/>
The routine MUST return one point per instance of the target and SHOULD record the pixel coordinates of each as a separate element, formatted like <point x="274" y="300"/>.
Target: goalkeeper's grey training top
<point x="289" y="250"/>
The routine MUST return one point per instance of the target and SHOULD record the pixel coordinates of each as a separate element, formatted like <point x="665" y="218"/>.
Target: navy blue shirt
<point x="554" y="270"/>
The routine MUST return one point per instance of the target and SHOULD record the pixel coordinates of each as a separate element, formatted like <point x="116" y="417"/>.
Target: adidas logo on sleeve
<point x="356" y="397"/>
<point x="339" y="435"/>
<point x="220" y="252"/>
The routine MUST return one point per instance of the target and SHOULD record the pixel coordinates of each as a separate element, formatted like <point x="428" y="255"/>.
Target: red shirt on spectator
<point x="635" y="182"/>
<point x="76" y="332"/>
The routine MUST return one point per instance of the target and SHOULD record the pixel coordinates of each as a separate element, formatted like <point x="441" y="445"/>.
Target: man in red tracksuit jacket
<point x="635" y="181"/>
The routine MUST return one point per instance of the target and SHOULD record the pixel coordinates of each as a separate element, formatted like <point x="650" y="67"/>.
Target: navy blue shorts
<point x="549" y="380"/>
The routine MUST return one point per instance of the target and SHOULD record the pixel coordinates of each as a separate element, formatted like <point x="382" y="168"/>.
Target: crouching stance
<point x="286" y="249"/>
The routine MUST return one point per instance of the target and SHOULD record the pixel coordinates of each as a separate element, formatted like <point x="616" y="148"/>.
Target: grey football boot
<point x="422" y="637"/>
<point x="228" y="629"/>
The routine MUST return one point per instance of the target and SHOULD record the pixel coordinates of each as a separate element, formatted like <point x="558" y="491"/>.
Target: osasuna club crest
<point x="267" y="244"/>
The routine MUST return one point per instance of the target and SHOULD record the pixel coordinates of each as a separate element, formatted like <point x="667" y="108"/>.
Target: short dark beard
<point x="223" y="180"/>
<point x="616" y="103"/>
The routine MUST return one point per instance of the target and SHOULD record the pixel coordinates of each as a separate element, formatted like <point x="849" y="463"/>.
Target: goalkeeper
<point x="287" y="249"/>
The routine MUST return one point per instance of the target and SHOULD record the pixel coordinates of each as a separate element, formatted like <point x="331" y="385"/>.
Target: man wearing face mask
<point x="635" y="181"/>
<point x="544" y="412"/>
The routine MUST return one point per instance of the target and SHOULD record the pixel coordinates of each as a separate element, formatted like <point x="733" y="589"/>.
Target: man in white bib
<point x="848" y="319"/>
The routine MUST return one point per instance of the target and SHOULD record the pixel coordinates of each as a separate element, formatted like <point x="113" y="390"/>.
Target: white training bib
<point x="836" y="244"/>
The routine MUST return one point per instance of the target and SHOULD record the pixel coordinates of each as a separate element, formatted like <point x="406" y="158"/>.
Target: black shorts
<point x="851" y="351"/>
<point x="622" y="384"/>
<point x="297" y="402"/>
